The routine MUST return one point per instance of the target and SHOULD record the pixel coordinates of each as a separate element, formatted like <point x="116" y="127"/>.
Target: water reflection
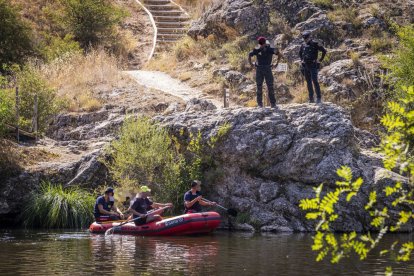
<point x="136" y="255"/>
<point x="79" y="253"/>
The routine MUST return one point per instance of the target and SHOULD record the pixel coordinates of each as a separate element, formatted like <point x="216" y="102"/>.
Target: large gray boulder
<point x="273" y="158"/>
<point x="247" y="17"/>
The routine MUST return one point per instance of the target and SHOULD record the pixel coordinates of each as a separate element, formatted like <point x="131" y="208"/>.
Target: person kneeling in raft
<point x="105" y="209"/>
<point x="143" y="204"/>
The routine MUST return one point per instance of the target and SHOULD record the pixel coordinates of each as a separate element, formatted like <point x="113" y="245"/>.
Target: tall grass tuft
<point x="56" y="207"/>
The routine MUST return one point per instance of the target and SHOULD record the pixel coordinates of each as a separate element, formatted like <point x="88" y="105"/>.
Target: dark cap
<point x="109" y="190"/>
<point x="261" y="40"/>
<point x="306" y="34"/>
<point x="195" y="183"/>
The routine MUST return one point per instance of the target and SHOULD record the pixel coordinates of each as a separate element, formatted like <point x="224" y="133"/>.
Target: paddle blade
<point x="232" y="212"/>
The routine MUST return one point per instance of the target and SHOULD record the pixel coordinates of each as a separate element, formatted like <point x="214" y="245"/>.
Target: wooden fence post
<point x="17" y="114"/>
<point x="226" y="95"/>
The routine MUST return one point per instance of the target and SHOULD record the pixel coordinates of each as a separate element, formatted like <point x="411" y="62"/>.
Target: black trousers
<point x="262" y="74"/>
<point x="311" y="76"/>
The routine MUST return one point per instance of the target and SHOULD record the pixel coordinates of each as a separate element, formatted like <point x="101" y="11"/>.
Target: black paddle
<point x="229" y="211"/>
<point x="111" y="230"/>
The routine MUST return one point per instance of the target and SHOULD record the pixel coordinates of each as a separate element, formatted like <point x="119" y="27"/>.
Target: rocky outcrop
<point x="246" y="16"/>
<point x="347" y="78"/>
<point x="240" y="14"/>
<point x="268" y="161"/>
<point x="272" y="158"/>
<point x="89" y="171"/>
<point x="199" y="105"/>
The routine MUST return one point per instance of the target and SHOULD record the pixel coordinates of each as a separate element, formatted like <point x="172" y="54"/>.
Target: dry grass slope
<point x="80" y="78"/>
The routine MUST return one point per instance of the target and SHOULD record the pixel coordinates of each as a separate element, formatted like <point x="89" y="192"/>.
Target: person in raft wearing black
<point x="142" y="204"/>
<point x="193" y="200"/>
<point x="309" y="52"/>
<point x="264" y="55"/>
<point x="105" y="209"/>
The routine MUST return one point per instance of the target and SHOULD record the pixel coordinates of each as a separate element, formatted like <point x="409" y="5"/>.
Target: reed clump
<point x="54" y="206"/>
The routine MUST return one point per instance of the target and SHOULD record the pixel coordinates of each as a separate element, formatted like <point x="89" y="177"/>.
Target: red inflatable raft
<point x="187" y="224"/>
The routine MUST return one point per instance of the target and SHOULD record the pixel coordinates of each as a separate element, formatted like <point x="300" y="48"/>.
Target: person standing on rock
<point x="309" y="52"/>
<point x="264" y="55"/>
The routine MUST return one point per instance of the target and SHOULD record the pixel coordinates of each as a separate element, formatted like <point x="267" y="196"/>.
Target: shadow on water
<point x="223" y="253"/>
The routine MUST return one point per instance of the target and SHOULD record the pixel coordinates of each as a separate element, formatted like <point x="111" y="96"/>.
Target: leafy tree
<point x="91" y="21"/>
<point x="397" y="148"/>
<point x="15" y="35"/>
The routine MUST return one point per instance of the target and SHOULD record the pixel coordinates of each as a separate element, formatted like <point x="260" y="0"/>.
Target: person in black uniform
<point x="193" y="200"/>
<point x="309" y="52"/>
<point x="264" y="55"/>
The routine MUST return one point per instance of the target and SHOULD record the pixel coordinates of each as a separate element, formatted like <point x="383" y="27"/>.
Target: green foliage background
<point x="15" y="36"/>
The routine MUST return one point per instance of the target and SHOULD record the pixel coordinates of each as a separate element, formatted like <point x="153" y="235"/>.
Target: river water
<point x="221" y="253"/>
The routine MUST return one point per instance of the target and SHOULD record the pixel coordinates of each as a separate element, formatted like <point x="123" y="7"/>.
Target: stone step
<point x="156" y="2"/>
<point x="169" y="36"/>
<point x="152" y="8"/>
<point x="167" y="13"/>
<point x="170" y="24"/>
<point x="166" y="41"/>
<point x="172" y="30"/>
<point x="161" y="18"/>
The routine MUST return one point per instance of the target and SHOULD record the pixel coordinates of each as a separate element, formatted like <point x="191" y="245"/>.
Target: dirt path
<point x="165" y="83"/>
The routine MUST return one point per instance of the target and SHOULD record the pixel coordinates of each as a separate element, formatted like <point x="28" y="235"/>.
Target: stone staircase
<point x="171" y="22"/>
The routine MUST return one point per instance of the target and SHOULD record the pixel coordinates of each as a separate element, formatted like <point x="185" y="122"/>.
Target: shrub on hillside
<point x="57" y="47"/>
<point x="31" y="83"/>
<point x="15" y="35"/>
<point x="91" y="21"/>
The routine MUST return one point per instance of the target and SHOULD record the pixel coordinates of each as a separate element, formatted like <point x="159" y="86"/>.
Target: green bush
<point x="30" y="83"/>
<point x="58" y="47"/>
<point x="91" y="21"/>
<point x="15" y="36"/>
<point x="52" y="206"/>
<point x="6" y="106"/>
<point x="144" y="155"/>
<point x="401" y="62"/>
